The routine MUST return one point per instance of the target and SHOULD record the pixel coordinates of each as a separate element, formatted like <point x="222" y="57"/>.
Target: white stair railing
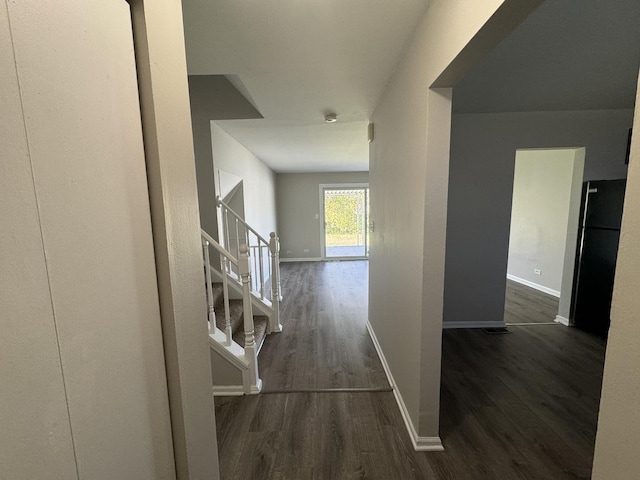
<point x="226" y="259"/>
<point x="235" y="232"/>
<point x="251" y="380"/>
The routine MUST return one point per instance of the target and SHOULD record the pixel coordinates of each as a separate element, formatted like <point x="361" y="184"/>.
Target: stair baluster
<point x="225" y="295"/>
<point x="211" y="314"/>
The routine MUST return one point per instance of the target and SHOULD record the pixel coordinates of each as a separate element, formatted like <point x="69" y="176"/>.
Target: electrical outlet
<point x="289" y="252"/>
<point x="317" y="216"/>
<point x="537" y="271"/>
<point x="306" y="250"/>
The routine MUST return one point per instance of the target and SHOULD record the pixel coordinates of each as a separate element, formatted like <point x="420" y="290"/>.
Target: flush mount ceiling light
<point x="331" y="118"/>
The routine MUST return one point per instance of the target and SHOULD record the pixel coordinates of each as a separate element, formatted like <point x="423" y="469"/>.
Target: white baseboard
<point x="432" y="444"/>
<point x="227" y="390"/>
<point x="536" y="286"/>
<point x="473" y="324"/>
<point x="562" y="320"/>
<point x="308" y="259"/>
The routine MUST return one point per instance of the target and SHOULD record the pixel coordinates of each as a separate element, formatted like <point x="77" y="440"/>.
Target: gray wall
<point x="482" y="162"/>
<point x="298" y="203"/>
<point x="212" y="97"/>
<point x="201" y="126"/>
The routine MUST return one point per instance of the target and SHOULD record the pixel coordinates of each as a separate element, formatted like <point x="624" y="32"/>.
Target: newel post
<point x="276" y="293"/>
<point x="252" y="384"/>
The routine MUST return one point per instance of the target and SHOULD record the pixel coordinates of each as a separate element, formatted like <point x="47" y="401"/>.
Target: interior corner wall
<point x="483" y="148"/>
<point x="259" y="181"/>
<point x="407" y="320"/>
<point x="298" y="206"/>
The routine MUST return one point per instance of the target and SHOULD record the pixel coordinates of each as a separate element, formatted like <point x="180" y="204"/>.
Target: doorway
<point x="547" y="189"/>
<point x="344" y="222"/>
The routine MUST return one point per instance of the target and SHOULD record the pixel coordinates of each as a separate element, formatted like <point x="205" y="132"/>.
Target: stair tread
<point x="236" y="317"/>
<point x="260" y="324"/>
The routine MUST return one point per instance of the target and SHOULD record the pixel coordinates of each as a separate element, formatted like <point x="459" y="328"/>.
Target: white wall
<point x="542" y="188"/>
<point x="84" y="383"/>
<point x="33" y="404"/>
<point x="298" y="201"/>
<point x="483" y="150"/>
<point x="408" y="178"/>
<point x="258" y="180"/>
<point x="617" y="439"/>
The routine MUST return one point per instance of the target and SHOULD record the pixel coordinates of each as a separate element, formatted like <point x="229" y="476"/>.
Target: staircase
<point x="243" y="301"/>
<point x="236" y="312"/>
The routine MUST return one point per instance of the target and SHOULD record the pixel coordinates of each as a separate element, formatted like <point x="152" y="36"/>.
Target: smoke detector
<point x="331" y="118"/>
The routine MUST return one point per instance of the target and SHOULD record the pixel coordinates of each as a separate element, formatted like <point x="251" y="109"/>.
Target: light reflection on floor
<point x="346" y="251"/>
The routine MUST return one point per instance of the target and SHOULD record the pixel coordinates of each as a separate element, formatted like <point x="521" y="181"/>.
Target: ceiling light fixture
<point x="331" y="118"/>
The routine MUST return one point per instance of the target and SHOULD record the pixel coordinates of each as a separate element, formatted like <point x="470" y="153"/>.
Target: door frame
<point x="339" y="186"/>
<point x="158" y="37"/>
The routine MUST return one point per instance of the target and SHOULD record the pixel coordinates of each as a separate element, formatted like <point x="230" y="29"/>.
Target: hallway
<point x="517" y="406"/>
<point x="324" y="343"/>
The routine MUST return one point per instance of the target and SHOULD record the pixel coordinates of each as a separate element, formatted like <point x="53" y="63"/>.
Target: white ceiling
<point x="297" y="60"/>
<point x="567" y="55"/>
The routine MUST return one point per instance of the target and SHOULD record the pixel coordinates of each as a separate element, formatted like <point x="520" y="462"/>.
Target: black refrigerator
<point x="598" y="249"/>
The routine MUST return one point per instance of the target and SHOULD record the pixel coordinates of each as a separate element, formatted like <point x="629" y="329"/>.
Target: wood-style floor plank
<point x="521" y="406"/>
<point x="324" y="343"/>
<point x="526" y="305"/>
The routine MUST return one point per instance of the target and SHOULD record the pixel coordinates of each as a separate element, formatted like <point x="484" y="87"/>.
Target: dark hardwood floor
<point x="526" y="305"/>
<point x="324" y="343"/>
<point x="516" y="406"/>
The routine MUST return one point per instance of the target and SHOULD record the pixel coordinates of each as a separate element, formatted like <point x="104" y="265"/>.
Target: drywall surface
<point x="258" y="180"/>
<point x="86" y="155"/>
<point x="617" y="440"/>
<point x="483" y="148"/>
<point x="539" y="215"/>
<point x="223" y="373"/>
<point x="408" y="179"/>
<point x="204" y="168"/>
<point x="298" y="204"/>
<point x="36" y="432"/>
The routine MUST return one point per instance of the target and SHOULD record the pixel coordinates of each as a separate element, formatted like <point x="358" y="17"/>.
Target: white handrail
<point x="241" y="220"/>
<point x="218" y="247"/>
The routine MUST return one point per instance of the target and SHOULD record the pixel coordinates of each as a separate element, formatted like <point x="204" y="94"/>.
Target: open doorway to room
<point x="543" y="239"/>
<point x="345" y="217"/>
